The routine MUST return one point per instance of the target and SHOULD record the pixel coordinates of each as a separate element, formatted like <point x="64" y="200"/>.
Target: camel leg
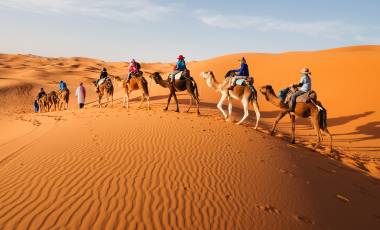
<point x="229" y="107"/>
<point x="169" y="98"/>
<point x="257" y="111"/>
<point x="315" y="123"/>
<point x="220" y="105"/>
<point x="246" y="113"/>
<point x="141" y="101"/>
<point x="126" y="100"/>
<point x="279" y="117"/>
<point x="293" y="120"/>
<point x="176" y="101"/>
<point x="326" y="131"/>
<point x="190" y="103"/>
<point x="197" y="102"/>
<point x="148" y="102"/>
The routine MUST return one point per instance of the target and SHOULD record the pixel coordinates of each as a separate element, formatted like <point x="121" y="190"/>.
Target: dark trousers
<point x="81" y="105"/>
<point x="293" y="100"/>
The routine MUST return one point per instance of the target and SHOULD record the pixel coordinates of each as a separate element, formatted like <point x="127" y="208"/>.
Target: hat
<point x="133" y="61"/>
<point x="104" y="69"/>
<point x="242" y="59"/>
<point x="305" y="71"/>
<point x="181" y="57"/>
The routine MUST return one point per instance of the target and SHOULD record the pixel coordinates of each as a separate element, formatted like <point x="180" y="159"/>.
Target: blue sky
<point x="158" y="30"/>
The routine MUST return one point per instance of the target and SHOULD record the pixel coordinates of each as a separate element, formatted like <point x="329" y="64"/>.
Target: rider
<point x="103" y="75"/>
<point x="305" y="84"/>
<point x="41" y="94"/>
<point x="133" y="69"/>
<point x="179" y="67"/>
<point x="62" y="85"/>
<point x="242" y="73"/>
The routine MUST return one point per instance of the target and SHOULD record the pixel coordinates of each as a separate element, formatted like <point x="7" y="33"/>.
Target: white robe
<point x="81" y="94"/>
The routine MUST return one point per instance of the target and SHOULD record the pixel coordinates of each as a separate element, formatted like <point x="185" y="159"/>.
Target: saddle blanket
<point x="178" y="76"/>
<point x="302" y="98"/>
<point x="240" y="82"/>
<point x="101" y="81"/>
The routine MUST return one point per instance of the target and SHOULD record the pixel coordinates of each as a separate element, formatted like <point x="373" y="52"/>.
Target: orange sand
<point x="113" y="168"/>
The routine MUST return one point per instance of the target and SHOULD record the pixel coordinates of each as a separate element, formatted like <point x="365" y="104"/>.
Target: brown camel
<point x="313" y="109"/>
<point x="52" y="99"/>
<point x="42" y="104"/>
<point x="105" y="88"/>
<point x="241" y="93"/>
<point x="63" y="98"/>
<point x="137" y="82"/>
<point x="180" y="85"/>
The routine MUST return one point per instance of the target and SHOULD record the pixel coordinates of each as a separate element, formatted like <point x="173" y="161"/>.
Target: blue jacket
<point x="181" y="65"/>
<point x="62" y="85"/>
<point x="243" y="71"/>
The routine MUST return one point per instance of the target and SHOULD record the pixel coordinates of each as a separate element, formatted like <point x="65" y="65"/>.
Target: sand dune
<point x="113" y="168"/>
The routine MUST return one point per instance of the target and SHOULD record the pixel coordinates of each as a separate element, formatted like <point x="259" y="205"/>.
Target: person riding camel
<point x="242" y="73"/>
<point x="62" y="85"/>
<point x="103" y="75"/>
<point x="305" y="86"/>
<point x="133" y="69"/>
<point x="179" y="67"/>
<point x="41" y="94"/>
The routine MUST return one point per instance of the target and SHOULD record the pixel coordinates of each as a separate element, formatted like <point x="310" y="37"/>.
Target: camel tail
<point x="110" y="90"/>
<point x="322" y="117"/>
<point x="145" y="87"/>
<point x="196" y="89"/>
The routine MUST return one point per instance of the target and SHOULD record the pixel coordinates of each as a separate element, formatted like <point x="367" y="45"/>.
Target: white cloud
<point x="337" y="30"/>
<point x="120" y="10"/>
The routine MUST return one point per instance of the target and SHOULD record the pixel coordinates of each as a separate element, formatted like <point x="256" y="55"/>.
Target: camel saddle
<point x="182" y="75"/>
<point x="101" y="81"/>
<point x="306" y="97"/>
<point x="243" y="82"/>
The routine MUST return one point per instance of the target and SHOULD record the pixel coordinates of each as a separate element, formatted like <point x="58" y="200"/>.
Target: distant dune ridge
<point x="112" y="168"/>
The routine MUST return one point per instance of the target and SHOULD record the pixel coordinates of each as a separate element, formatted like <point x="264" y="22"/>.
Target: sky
<point x="160" y="30"/>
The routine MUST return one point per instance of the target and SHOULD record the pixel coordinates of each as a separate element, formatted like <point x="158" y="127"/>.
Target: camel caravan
<point x="45" y="102"/>
<point x="298" y="100"/>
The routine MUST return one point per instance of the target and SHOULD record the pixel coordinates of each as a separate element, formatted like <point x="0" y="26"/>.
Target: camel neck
<point x="214" y="84"/>
<point x="274" y="99"/>
<point x="163" y="83"/>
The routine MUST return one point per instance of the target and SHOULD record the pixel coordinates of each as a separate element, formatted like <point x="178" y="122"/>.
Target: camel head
<point x="209" y="77"/>
<point x="266" y="91"/>
<point x="156" y="77"/>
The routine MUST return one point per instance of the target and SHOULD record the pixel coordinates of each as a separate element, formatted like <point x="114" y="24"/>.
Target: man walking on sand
<point x="81" y="94"/>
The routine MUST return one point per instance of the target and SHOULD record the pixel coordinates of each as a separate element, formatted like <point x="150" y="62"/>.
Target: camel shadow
<point x="337" y="121"/>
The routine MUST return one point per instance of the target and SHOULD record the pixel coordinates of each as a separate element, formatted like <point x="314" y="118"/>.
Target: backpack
<point x="138" y="66"/>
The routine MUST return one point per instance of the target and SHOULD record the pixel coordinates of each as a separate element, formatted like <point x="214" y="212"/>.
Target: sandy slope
<point x="112" y="168"/>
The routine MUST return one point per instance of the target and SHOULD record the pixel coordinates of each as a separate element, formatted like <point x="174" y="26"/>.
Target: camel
<point x="105" y="88"/>
<point x="240" y="93"/>
<point x="137" y="82"/>
<point x="313" y="109"/>
<point x="52" y="99"/>
<point x="179" y="85"/>
<point x="42" y="103"/>
<point x="63" y="98"/>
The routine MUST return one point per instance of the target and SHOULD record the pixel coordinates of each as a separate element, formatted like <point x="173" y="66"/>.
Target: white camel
<point x="240" y="93"/>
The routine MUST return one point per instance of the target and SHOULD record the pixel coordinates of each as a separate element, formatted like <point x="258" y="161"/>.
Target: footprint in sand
<point x="304" y="219"/>
<point x="342" y="198"/>
<point x="269" y="209"/>
<point x="287" y="173"/>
